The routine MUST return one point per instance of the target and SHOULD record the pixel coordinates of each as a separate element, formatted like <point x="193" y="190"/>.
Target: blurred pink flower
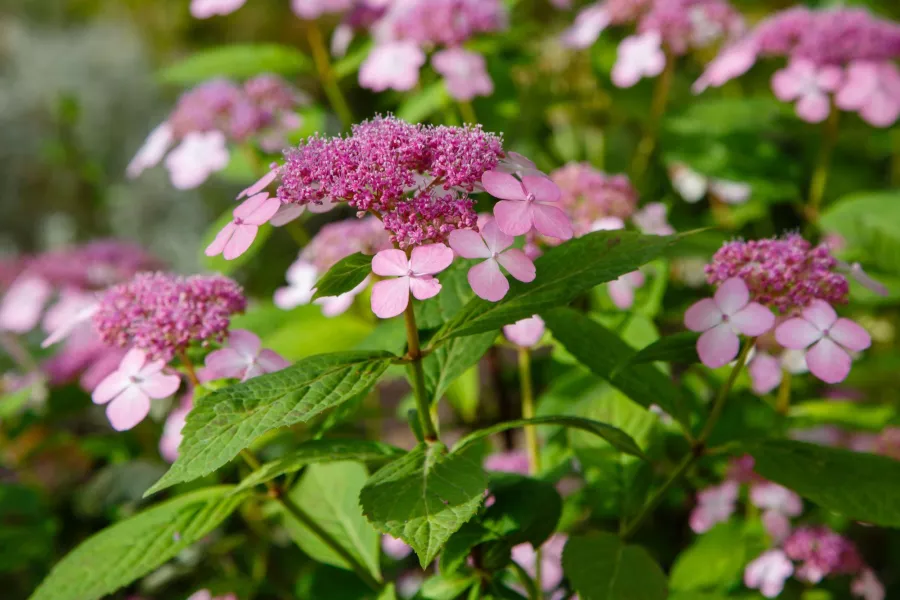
<point x="525" y="333"/>
<point x="715" y="504"/>
<point x="810" y="85"/>
<point x="392" y="65"/>
<point x="551" y="560"/>
<point x="730" y="192"/>
<point x="395" y="547"/>
<point x="721" y="318"/>
<point x="778" y="504"/>
<point x="588" y="25"/>
<point x="732" y="62"/>
<point x="203" y="9"/>
<point x="237" y="236"/>
<point x="512" y="461"/>
<point x="465" y="73"/>
<point x="768" y="573"/>
<point x="830" y="337"/>
<point x="171" y="435"/>
<point x="867" y="586"/>
<point x="491" y="244"/>
<point x="23" y="303"/>
<point x="198" y="156"/>
<point x="765" y="372"/>
<point x="155" y="147"/>
<point x="872" y="90"/>
<point x="129" y="389"/>
<point x="653" y="219"/>
<point x="242" y="358"/>
<point x="415" y="274"/>
<point x="639" y="56"/>
<point x="527" y="203"/>
<point x="621" y="290"/>
<point x="313" y="9"/>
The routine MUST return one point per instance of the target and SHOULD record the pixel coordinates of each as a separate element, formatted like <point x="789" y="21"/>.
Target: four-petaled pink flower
<point x="639" y="56"/>
<point x="715" y="504"/>
<point x="809" y="84"/>
<point x="199" y="155"/>
<point x="204" y="9"/>
<point x="486" y="278"/>
<point x="527" y="203"/>
<point x="414" y="274"/>
<point x="236" y="237"/>
<point x="872" y="90"/>
<point x="464" y="72"/>
<point x="128" y="390"/>
<point x="243" y="358"/>
<point x="728" y="313"/>
<point x="525" y="333"/>
<point x="768" y="573"/>
<point x="621" y="290"/>
<point x="23" y="303"/>
<point x="393" y="65"/>
<point x="830" y="338"/>
<point x="778" y="504"/>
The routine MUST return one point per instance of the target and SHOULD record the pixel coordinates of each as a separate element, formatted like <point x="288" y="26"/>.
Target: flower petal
<point x="245" y="209"/>
<point x="160" y="385"/>
<point x="551" y="221"/>
<point x="496" y="240"/>
<point x="503" y="186"/>
<point x="525" y="333"/>
<point x="543" y="188"/>
<point x="518" y="264"/>
<point x="430" y="259"/>
<point x="487" y="281"/>
<point x="621" y="293"/>
<point x="765" y="373"/>
<point x="732" y="296"/>
<point x="226" y="363"/>
<point x="718" y="346"/>
<point x="217" y="246"/>
<point x="133" y="362"/>
<point x="753" y="320"/>
<point x="702" y="315"/>
<point x="850" y="335"/>
<point x="260" y="185"/>
<point x="796" y="334"/>
<point x="128" y="409"/>
<point x="828" y="361"/>
<point x="820" y="314"/>
<point x="424" y="287"/>
<point x="468" y="244"/>
<point x="390" y="262"/>
<point x="114" y="384"/>
<point x="246" y="343"/>
<point x="240" y="241"/>
<point x="286" y="213"/>
<point x="514" y="217"/>
<point x="271" y="361"/>
<point x="390" y="297"/>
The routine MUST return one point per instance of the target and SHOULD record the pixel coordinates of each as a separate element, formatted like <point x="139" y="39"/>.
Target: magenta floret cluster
<point x="686" y="24"/>
<point x="822" y="552"/>
<point x="239" y="111"/>
<point x="588" y="195"/>
<point x="92" y="266"/>
<point x="338" y="240"/>
<point x="415" y="178"/>
<point x="784" y="274"/>
<point x="446" y="22"/>
<point x="163" y="314"/>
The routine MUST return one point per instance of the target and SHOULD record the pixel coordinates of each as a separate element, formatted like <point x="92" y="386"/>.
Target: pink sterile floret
<point x="491" y="244"/>
<point x="129" y="389"/>
<point x="415" y="274"/>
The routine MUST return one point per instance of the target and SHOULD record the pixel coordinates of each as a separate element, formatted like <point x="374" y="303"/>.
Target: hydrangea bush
<point x="600" y="343"/>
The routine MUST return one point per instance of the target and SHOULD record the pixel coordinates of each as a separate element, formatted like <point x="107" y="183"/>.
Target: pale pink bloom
<point x="23" y="303"/>
<point x="207" y="595"/>
<point x="260" y="184"/>
<point x="153" y="150"/>
<point x="810" y="85"/>
<point x="287" y="213"/>
<point x="464" y="72"/>
<point x="587" y="27"/>
<point x="204" y="9"/>
<point x="491" y="244"/>
<point x="778" y="504"/>
<point x="128" y="390"/>
<point x="730" y="192"/>
<point x="340" y="40"/>
<point x="728" y="313"/>
<point x="525" y="333"/>
<point x="689" y="184"/>
<point x="198" y="156"/>
<point x="856" y="271"/>
<point x="715" y="504"/>
<point x="236" y="237"/>
<point x="639" y="56"/>
<point x="516" y="164"/>
<point x="607" y="224"/>
<point x="776" y="525"/>
<point x="872" y="90"/>
<point x="395" y="547"/>
<point x="70" y="304"/>
<point x="313" y="9"/>
<point x="551" y="560"/>
<point x="302" y="277"/>
<point x="171" y="435"/>
<point x="653" y="219"/>
<point x="765" y="372"/>
<point x="830" y="338"/>
<point x="527" y="203"/>
<point x="415" y="274"/>
<point x="768" y="573"/>
<point x="512" y="461"/>
<point x="64" y="323"/>
<point x="242" y="358"/>
<point x="732" y="62"/>
<point x="867" y="586"/>
<point x="621" y="290"/>
<point x="392" y="65"/>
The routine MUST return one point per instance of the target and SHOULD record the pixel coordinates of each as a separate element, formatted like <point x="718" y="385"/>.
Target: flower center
<point x="529" y="197"/>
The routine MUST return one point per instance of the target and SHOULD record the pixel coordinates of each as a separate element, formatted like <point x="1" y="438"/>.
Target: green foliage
<point x="870" y="224"/>
<point x="677" y="348"/>
<point x="716" y="560"/>
<point x="132" y="548"/>
<point x="863" y="487"/>
<point x="345" y="275"/>
<point x="442" y="366"/>
<point x="424" y="103"/>
<point x="26" y="528"/>
<point x="601" y="567"/>
<point x="846" y="413"/>
<point x="225" y="422"/>
<point x="237" y="61"/>
<point x="424" y="497"/>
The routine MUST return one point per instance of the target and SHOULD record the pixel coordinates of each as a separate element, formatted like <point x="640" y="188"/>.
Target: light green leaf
<point x="563" y="273"/>
<point x="447" y="586"/>
<point x="228" y="420"/>
<point x="424" y="103"/>
<point x="237" y="61"/>
<point x="442" y="366"/>
<point x="321" y="451"/>
<point x="716" y="559"/>
<point x="329" y="493"/>
<point x="345" y="275"/>
<point x="424" y="497"/>
<point x="132" y="548"/>
<point x="870" y="224"/>
<point x="217" y="263"/>
<point x="862" y="487"/>
<point x="464" y="394"/>
<point x="844" y="413"/>
<point x="601" y="567"/>
<point x="601" y="351"/>
<point x="616" y="437"/>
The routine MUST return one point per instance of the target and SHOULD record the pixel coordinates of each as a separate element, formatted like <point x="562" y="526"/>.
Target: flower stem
<point x="657" y="108"/>
<point x="632" y="527"/>
<point x="783" y="403"/>
<point x="467" y="112"/>
<point x="326" y="74"/>
<point x="820" y="174"/>
<point x="189" y="368"/>
<point x="532" y="444"/>
<point x="719" y="403"/>
<point x="423" y="406"/>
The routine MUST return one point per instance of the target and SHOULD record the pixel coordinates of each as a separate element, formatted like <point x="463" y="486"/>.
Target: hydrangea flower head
<point x="129" y="389"/>
<point x="822" y="552"/>
<point x="588" y="195"/>
<point x="444" y="22"/>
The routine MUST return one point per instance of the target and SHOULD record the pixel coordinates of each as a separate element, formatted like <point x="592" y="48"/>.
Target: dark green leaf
<point x="442" y="366"/>
<point x="226" y="421"/>
<point x="424" y="497"/>
<point x="601" y="567"/>
<point x="677" y="348"/>
<point x="345" y="275"/>
<point x="237" y="61"/>
<point x="26" y="528"/>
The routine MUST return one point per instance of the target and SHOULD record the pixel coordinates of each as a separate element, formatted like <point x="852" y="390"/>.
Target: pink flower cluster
<point x="588" y="195"/>
<point x="208" y="116"/>
<point x="162" y="314"/>
<point x="844" y="56"/>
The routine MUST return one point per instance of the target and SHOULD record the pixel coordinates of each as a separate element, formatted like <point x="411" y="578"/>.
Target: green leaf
<point x="26" y="528"/>
<point x="844" y="413"/>
<point x="678" y="348"/>
<point x="446" y="586"/>
<point x="563" y="273"/>
<point x="116" y="485"/>
<point x="464" y="394"/>
<point x="601" y="351"/>
<point x="322" y="451"/>
<point x="329" y="493"/>
<point x="424" y="103"/>
<point x="716" y="560"/>
<point x="442" y="366"/>
<point x="424" y="497"/>
<point x="870" y="224"/>
<point x="217" y="263"/>
<point x="226" y="421"/>
<point x="345" y="275"/>
<point x="237" y="61"/>
<point x="132" y="548"/>
<point x="616" y="437"/>
<point x="601" y="567"/>
<point x="862" y="487"/>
